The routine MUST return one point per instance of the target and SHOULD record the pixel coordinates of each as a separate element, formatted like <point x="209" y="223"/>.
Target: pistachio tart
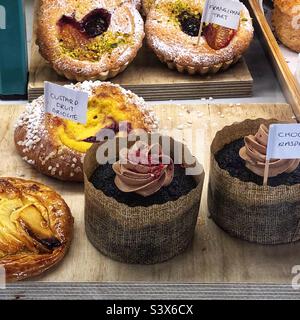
<point x="89" y="39"/>
<point x="56" y="146"/>
<point x="36" y="228"/>
<point x="172" y="30"/>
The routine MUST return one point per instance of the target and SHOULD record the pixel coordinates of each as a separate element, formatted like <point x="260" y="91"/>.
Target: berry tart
<point x="172" y="30"/>
<point x="89" y="39"/>
<point x="56" y="147"/>
<point x="36" y="228"/>
<point x="285" y="21"/>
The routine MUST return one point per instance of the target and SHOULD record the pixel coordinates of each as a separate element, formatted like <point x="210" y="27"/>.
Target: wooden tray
<point x="152" y="80"/>
<point x="286" y="79"/>
<point x="214" y="257"/>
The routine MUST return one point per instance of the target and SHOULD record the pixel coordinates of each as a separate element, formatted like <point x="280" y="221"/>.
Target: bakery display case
<point x="74" y="227"/>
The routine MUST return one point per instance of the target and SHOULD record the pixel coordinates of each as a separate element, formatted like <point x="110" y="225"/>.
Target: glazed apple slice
<point x="218" y="37"/>
<point x="37" y="228"/>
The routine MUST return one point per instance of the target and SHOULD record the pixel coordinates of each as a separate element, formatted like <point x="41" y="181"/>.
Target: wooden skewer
<point x="201" y="25"/>
<point x="200" y="31"/>
<point x="266" y="172"/>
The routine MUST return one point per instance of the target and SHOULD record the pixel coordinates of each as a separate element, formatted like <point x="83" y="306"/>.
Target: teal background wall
<point x="13" y="48"/>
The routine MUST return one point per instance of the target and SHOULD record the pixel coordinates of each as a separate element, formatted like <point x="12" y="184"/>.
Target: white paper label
<point x="225" y="13"/>
<point x="284" y="141"/>
<point x="2" y="277"/>
<point x="66" y="103"/>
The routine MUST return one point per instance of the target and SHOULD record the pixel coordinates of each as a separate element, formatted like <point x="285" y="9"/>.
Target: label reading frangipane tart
<point x="284" y="141"/>
<point x="66" y="103"/>
<point x="225" y="13"/>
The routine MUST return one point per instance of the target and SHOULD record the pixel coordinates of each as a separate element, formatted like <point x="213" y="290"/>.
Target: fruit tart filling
<point x="104" y="112"/>
<point x="218" y="37"/>
<point x="90" y="38"/>
<point x="190" y="23"/>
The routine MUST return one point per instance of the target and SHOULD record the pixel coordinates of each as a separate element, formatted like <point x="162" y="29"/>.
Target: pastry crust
<point x="37" y="134"/>
<point x="125" y="19"/>
<point x="179" y="50"/>
<point x="286" y="6"/>
<point x="146" y="5"/>
<point x="286" y="23"/>
<point x="137" y="3"/>
<point x="21" y="253"/>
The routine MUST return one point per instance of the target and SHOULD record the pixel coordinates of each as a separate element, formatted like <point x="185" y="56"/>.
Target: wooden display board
<point x="152" y="80"/>
<point x="214" y="256"/>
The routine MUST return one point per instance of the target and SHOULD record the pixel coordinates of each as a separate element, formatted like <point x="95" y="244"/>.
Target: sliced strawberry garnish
<point x="218" y="37"/>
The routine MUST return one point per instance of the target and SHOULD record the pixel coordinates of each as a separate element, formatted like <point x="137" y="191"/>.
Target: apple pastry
<point x="89" y="39"/>
<point x="36" y="228"/>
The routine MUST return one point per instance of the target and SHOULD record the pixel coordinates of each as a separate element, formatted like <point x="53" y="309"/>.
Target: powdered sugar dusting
<point x="52" y="157"/>
<point x="32" y="119"/>
<point x="172" y="45"/>
<point x="125" y="18"/>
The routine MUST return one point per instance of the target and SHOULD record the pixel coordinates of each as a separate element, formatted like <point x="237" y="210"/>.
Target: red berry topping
<point x="218" y="37"/>
<point x="92" y="25"/>
<point x="190" y="24"/>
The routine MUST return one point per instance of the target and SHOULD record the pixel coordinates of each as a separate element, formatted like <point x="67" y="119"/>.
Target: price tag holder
<point x="283" y="143"/>
<point x="66" y="103"/>
<point x="225" y="13"/>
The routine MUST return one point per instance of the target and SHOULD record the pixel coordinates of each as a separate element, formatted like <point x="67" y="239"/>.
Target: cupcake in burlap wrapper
<point x="139" y="235"/>
<point x="261" y="214"/>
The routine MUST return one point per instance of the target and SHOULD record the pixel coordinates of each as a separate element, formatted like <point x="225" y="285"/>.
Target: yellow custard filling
<point x="24" y="226"/>
<point x="102" y="112"/>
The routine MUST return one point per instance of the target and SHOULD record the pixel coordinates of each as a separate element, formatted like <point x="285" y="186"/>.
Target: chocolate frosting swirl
<point x="143" y="169"/>
<point x="254" y="153"/>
